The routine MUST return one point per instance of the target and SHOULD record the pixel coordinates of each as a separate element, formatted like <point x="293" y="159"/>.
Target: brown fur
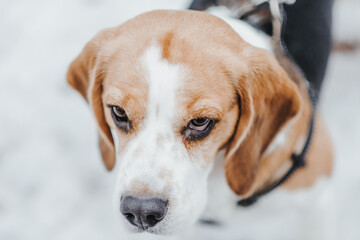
<point x="78" y="76"/>
<point x="269" y="99"/>
<point x="243" y="87"/>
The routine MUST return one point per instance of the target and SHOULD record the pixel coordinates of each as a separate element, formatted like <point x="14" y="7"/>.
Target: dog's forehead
<point x="186" y="36"/>
<point x="177" y="56"/>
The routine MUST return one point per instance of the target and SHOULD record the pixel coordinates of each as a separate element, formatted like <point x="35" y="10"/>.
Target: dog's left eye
<point x="199" y="124"/>
<point x="198" y="128"/>
<point x="120" y="118"/>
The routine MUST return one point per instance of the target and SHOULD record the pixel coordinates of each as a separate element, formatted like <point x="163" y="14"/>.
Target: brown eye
<point x="119" y="112"/>
<point x="198" y="128"/>
<point x="199" y="124"/>
<point x="120" y="118"/>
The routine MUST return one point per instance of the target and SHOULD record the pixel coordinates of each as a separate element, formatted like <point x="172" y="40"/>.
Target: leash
<point x="298" y="160"/>
<point x="277" y="13"/>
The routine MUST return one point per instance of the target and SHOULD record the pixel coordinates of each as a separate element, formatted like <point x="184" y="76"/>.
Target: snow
<point x="52" y="182"/>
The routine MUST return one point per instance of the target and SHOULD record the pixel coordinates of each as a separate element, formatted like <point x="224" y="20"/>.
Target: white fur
<point x="280" y="139"/>
<point x="282" y="214"/>
<point x="251" y="35"/>
<point x="145" y="157"/>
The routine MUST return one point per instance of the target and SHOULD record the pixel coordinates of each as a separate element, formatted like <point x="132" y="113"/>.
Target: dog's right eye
<point x="120" y="118"/>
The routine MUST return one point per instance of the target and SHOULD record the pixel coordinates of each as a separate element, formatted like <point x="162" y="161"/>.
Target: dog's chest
<point x="282" y="214"/>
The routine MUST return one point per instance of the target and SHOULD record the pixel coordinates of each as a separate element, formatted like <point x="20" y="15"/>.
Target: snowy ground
<point x="52" y="183"/>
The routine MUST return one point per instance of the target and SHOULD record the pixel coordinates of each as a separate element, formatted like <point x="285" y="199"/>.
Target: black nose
<point x="143" y="213"/>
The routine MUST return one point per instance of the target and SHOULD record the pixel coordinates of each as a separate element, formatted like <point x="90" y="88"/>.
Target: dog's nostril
<point x="129" y="216"/>
<point x="143" y="213"/>
<point x="151" y="219"/>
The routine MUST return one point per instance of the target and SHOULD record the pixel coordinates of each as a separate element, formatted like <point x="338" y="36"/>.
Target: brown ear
<point x="85" y="75"/>
<point x="268" y="99"/>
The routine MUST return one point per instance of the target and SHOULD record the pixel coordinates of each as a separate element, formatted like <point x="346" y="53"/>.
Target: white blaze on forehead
<point x="163" y="81"/>
<point x="156" y="163"/>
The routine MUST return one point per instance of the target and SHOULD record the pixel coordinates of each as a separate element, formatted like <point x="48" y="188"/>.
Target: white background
<point x="52" y="182"/>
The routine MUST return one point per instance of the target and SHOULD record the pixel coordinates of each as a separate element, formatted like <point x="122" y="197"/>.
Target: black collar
<point x="298" y="160"/>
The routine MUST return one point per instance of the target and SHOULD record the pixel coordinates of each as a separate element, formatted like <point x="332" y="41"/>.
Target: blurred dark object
<point x="306" y="32"/>
<point x="202" y="5"/>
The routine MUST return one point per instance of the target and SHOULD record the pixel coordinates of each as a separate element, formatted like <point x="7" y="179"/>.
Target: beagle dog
<point x="199" y="116"/>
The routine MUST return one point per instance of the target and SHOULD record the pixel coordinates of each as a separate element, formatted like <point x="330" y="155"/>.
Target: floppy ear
<point x="85" y="75"/>
<point x="267" y="100"/>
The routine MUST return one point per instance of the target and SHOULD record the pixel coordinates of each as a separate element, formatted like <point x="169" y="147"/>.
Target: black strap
<point x="298" y="160"/>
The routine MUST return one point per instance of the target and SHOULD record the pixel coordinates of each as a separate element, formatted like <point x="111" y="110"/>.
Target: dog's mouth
<point x="142" y="229"/>
<point x="147" y="229"/>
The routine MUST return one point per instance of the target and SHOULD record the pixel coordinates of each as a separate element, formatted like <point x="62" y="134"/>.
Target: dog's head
<point x="174" y="88"/>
